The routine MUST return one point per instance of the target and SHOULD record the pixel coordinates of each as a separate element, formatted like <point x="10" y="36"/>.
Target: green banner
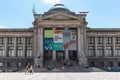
<point x="48" y="33"/>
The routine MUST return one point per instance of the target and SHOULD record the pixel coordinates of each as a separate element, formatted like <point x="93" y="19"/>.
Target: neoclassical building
<point x="59" y="36"/>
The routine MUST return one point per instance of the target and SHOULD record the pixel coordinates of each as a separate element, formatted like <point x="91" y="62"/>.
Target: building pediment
<point x="60" y="16"/>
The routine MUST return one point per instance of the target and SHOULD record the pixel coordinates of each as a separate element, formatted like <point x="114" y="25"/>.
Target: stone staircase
<point x="64" y="66"/>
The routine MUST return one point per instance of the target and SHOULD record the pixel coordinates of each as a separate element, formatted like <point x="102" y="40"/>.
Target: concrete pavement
<point x="61" y="76"/>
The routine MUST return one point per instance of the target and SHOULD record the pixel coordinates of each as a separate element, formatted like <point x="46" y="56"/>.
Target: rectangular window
<point x="109" y="40"/>
<point x="19" y="40"/>
<point x="117" y="40"/>
<point x="10" y="40"/>
<point x="100" y="40"/>
<point x="29" y="51"/>
<point x="100" y="51"/>
<point x="1" y="64"/>
<point x="2" y="51"/>
<point x="110" y="64"/>
<point x="28" y="40"/>
<point x="91" y="40"/>
<point x="118" y="64"/>
<point x="109" y="51"/>
<point x="9" y="64"/>
<point x="19" y="64"/>
<point x="20" y="51"/>
<point x="2" y="40"/>
<point x="117" y="50"/>
<point x="91" y="51"/>
<point x="11" y="51"/>
<point x="48" y="55"/>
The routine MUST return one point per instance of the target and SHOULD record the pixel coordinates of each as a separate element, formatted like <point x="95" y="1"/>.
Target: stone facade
<point x="10" y="42"/>
<point x="95" y="47"/>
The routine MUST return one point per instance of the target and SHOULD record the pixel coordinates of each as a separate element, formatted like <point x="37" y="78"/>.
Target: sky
<point x="18" y="13"/>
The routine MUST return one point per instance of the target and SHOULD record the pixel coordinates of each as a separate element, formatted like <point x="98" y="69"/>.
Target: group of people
<point x="29" y="69"/>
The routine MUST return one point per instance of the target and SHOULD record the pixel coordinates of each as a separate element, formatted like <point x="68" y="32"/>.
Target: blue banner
<point x="48" y="43"/>
<point x="58" y="46"/>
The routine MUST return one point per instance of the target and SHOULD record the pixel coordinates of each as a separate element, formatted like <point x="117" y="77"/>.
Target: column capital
<point x="66" y="28"/>
<point x="54" y="28"/>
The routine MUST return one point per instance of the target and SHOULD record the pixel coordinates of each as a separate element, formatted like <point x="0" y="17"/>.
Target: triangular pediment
<point x="60" y="16"/>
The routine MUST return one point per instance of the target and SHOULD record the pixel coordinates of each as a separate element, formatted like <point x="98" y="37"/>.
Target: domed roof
<point x="59" y="7"/>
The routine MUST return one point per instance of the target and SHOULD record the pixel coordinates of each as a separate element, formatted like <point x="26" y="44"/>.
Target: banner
<point x="48" y="43"/>
<point x="60" y="40"/>
<point x="48" y="33"/>
<point x="58" y="46"/>
<point x="69" y="39"/>
<point x="58" y="36"/>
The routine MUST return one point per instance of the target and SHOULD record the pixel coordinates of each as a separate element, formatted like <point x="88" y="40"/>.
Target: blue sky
<point x="18" y="13"/>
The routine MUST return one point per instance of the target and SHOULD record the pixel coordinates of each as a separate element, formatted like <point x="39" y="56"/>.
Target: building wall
<point x="16" y="48"/>
<point x="95" y="47"/>
<point x="104" y="48"/>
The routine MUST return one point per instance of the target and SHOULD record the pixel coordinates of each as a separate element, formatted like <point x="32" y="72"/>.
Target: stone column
<point x="54" y="52"/>
<point x="104" y="46"/>
<point x="96" y="54"/>
<point x="54" y="55"/>
<point x="15" y="46"/>
<point x="66" y="51"/>
<point x="39" y="57"/>
<point x="79" y="47"/>
<point x="35" y="45"/>
<point x="35" y="41"/>
<point x="113" y="46"/>
<point x="66" y="55"/>
<point x="81" y="55"/>
<point x="6" y="47"/>
<point x="24" y="47"/>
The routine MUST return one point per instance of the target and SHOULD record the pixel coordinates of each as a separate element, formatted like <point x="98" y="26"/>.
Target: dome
<point x="59" y="7"/>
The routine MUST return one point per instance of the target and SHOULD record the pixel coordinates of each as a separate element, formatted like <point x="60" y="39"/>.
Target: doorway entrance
<point x="47" y="55"/>
<point x="73" y="55"/>
<point x="60" y="55"/>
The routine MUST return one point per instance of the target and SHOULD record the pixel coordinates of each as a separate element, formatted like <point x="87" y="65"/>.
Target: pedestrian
<point x="26" y="69"/>
<point x="31" y="69"/>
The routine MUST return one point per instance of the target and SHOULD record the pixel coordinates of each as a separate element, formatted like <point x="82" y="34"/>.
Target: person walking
<point x="31" y="69"/>
<point x="26" y="69"/>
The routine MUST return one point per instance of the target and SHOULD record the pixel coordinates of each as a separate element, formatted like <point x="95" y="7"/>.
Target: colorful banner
<point x="58" y="46"/>
<point x="58" y="36"/>
<point x="48" y="43"/>
<point x="60" y="40"/>
<point x="69" y="39"/>
<point x="48" y="33"/>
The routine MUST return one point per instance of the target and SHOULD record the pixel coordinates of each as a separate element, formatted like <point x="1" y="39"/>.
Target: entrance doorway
<point x="47" y="55"/>
<point x="73" y="55"/>
<point x="60" y="55"/>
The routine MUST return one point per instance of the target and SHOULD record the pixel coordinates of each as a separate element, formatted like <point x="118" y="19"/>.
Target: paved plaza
<point x="61" y="76"/>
